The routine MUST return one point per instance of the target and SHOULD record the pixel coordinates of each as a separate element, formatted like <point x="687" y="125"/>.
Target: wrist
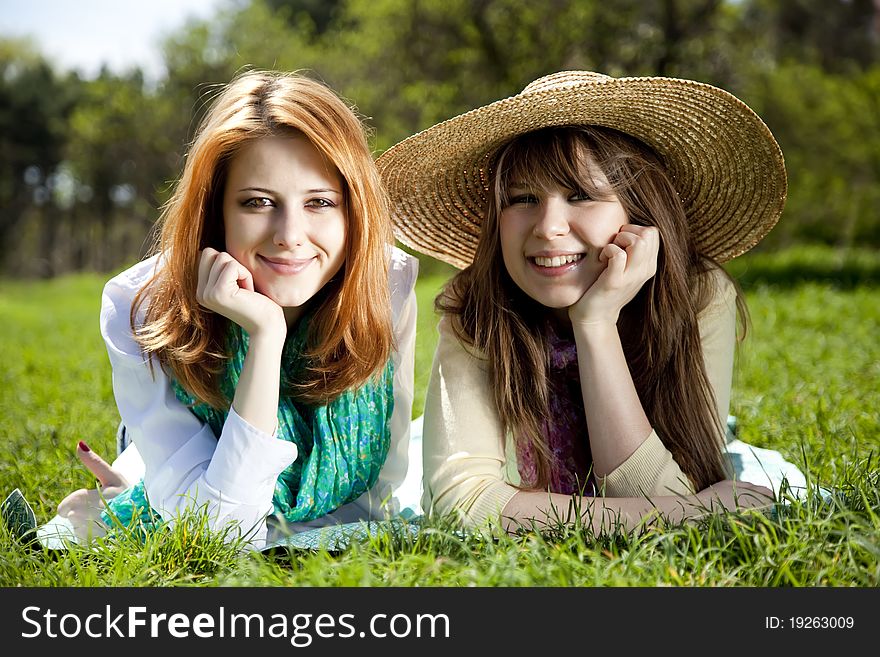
<point x="268" y="337"/>
<point x="595" y="322"/>
<point x="587" y="317"/>
<point x="594" y="330"/>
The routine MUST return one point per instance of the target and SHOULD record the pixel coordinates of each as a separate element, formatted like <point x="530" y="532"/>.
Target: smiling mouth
<point x="556" y="261"/>
<point x="287" y="266"/>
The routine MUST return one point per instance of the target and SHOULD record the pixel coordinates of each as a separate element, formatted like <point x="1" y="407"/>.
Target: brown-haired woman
<point x="262" y="358"/>
<point x="586" y="349"/>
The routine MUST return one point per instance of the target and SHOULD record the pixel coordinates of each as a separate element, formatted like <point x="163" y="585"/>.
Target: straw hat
<point x="723" y="160"/>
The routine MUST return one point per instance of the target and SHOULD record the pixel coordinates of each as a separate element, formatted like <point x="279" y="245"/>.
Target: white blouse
<point x="184" y="466"/>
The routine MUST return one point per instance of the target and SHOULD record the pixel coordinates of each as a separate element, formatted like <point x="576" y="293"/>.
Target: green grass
<point x="806" y="384"/>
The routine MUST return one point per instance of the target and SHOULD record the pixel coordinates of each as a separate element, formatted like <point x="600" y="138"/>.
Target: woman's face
<point x="551" y="239"/>
<point x="285" y="219"/>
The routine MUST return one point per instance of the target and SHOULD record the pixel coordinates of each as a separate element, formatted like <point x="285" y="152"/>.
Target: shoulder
<point x="116" y="300"/>
<point x="403" y="270"/>
<point x="127" y="283"/>
<point x="451" y="342"/>
<point x="720" y="291"/>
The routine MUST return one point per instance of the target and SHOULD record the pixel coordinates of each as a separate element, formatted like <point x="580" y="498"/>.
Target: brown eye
<point x="258" y="202"/>
<point x="523" y="199"/>
<point x="320" y="203"/>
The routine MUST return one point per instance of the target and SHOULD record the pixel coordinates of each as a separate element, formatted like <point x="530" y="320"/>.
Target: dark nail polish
<point x="84" y="447"/>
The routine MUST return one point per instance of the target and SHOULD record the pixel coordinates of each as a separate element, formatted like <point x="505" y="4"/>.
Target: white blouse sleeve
<point x="186" y="467"/>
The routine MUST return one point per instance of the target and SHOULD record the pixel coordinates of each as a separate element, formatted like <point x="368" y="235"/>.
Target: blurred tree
<point x="411" y="64"/>
<point x="321" y="13"/>
<point x="86" y="161"/>
<point x="834" y="34"/>
<point x="120" y="147"/>
<point x="829" y="129"/>
<point x="198" y="58"/>
<point x="34" y="104"/>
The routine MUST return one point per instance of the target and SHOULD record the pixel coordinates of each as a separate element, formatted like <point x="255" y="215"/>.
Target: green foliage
<point x="834" y="35"/>
<point x="828" y="126"/>
<point x="805" y="385"/>
<point x="810" y="68"/>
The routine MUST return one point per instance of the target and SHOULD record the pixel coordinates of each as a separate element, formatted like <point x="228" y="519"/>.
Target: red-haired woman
<point x="262" y="358"/>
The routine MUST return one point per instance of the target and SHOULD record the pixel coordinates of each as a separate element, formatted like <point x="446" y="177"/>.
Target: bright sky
<point x="83" y="34"/>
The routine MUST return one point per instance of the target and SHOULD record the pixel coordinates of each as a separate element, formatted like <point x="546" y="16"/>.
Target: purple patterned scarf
<point x="565" y="431"/>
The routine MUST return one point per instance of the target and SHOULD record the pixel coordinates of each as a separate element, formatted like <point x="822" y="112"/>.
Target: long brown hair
<point x="349" y="338"/>
<point x="658" y="328"/>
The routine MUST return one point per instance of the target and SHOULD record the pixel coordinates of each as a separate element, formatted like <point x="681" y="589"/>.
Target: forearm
<point x="232" y="478"/>
<point x="256" y="395"/>
<point x="195" y="492"/>
<point x="182" y="462"/>
<point x="540" y="508"/>
<point x="616" y="421"/>
<point x="627" y="513"/>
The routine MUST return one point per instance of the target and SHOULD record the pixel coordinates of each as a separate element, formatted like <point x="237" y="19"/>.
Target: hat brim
<point x="721" y="157"/>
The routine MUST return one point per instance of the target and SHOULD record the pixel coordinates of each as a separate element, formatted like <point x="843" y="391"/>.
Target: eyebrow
<point x="263" y="190"/>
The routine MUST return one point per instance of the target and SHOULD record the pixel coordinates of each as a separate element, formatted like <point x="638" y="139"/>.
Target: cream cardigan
<point x="470" y="466"/>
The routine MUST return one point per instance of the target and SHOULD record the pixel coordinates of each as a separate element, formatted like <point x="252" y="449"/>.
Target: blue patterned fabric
<point x="342" y="445"/>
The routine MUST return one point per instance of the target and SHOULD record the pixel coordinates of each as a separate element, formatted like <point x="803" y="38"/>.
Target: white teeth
<point x="557" y="261"/>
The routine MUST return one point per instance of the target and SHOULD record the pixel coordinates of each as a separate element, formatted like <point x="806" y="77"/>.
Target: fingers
<point x="226" y="287"/>
<point x="615" y="258"/>
<point x="641" y="245"/>
<point x="103" y="471"/>
<point x="626" y="239"/>
<point x="220" y="277"/>
<point x="633" y="246"/>
<point x="635" y="229"/>
<point x="80" y="502"/>
<point x="206" y="261"/>
<point x="228" y="275"/>
<point x="631" y="236"/>
<point x="759" y="494"/>
<point x="731" y="494"/>
<point x="743" y="487"/>
<point x="82" y="508"/>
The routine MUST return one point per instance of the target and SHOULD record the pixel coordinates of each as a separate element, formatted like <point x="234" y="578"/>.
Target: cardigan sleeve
<point x="463" y="441"/>
<point x="651" y="469"/>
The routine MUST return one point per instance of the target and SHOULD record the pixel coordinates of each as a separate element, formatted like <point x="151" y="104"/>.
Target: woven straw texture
<point x="725" y="163"/>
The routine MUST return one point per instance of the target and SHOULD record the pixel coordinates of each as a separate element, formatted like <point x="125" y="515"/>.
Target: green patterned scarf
<point x="341" y="446"/>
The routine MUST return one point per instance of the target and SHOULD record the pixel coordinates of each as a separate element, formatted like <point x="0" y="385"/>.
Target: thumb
<point x="102" y="470"/>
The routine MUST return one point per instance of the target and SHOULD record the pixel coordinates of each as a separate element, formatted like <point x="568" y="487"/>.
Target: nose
<point x="290" y="228"/>
<point x="552" y="218"/>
